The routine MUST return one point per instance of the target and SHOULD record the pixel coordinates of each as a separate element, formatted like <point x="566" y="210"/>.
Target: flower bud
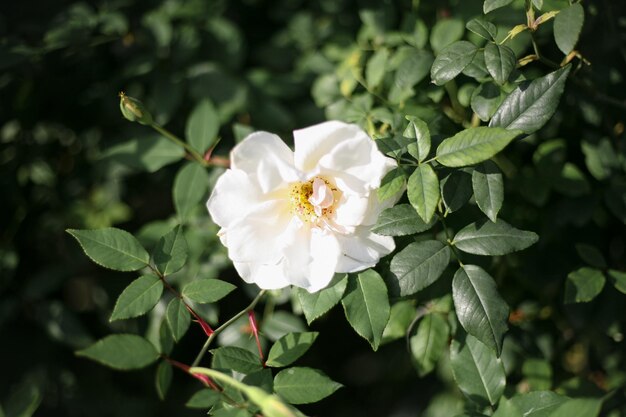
<point x="134" y="110"/>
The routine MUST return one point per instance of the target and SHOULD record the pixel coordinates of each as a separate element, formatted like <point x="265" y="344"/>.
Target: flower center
<point x="313" y="200"/>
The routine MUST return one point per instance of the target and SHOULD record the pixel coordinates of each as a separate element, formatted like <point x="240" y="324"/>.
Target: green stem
<point x="191" y="151"/>
<point x="449" y="237"/>
<point x="217" y="331"/>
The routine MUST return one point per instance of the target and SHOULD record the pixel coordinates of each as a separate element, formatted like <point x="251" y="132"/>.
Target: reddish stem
<point x="205" y="326"/>
<point x="202" y="378"/>
<point x="255" y="331"/>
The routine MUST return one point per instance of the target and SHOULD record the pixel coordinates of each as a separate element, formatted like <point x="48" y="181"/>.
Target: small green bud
<point x="134" y="110"/>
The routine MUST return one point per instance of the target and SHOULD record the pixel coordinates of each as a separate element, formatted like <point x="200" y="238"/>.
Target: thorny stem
<point x="217" y="331"/>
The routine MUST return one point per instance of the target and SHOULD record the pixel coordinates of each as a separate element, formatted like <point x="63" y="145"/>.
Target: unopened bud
<point x="134" y="110"/>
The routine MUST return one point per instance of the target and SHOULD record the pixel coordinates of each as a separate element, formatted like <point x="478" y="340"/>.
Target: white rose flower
<point x="296" y="218"/>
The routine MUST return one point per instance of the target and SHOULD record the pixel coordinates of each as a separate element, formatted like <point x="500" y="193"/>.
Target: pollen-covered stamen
<point x="314" y="200"/>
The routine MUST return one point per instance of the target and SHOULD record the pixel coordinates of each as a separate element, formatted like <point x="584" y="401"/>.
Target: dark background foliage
<point x="62" y="64"/>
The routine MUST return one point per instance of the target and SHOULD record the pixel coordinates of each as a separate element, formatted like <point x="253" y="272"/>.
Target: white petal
<point x="267" y="277"/>
<point x="363" y="249"/>
<point x="313" y="142"/>
<point x="262" y="234"/>
<point x="351" y="210"/>
<point x="233" y="196"/>
<point x="267" y="159"/>
<point x="325" y="255"/>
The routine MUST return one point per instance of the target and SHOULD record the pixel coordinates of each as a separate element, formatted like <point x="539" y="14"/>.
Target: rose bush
<point x="297" y="218"/>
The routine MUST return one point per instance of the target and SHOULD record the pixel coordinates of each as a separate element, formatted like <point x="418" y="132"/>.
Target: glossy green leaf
<point x="163" y="379"/>
<point x="482" y="28"/>
<point x="419" y="265"/>
<point x="500" y="61"/>
<point x="486" y="99"/>
<point x="204" y="399"/>
<point x="583" y="285"/>
<point x="456" y="190"/>
<point x="423" y="191"/>
<point x="538" y="403"/>
<point x="531" y="105"/>
<point x="202" y="126"/>
<point x="445" y="32"/>
<point x="304" y="385"/>
<point x="479" y="307"/>
<point x="190" y="187"/>
<point x="138" y="298"/>
<point x="392" y="184"/>
<point x="579" y="407"/>
<point x="400" y="220"/>
<point x="112" y="248"/>
<point x="451" y="61"/>
<point x="205" y="291"/>
<point x="479" y="374"/>
<point x="289" y="348"/>
<point x="567" y="27"/>
<point x="178" y="318"/>
<point x="491" y="5"/>
<point x="417" y="130"/>
<point x="429" y="342"/>
<point x="149" y="153"/>
<point x="619" y="279"/>
<point x="170" y="253"/>
<point x="493" y="239"/>
<point x="474" y="145"/>
<point x="488" y="187"/>
<point x="394" y="146"/>
<point x="237" y="359"/>
<point x="366" y="305"/>
<point x="314" y="305"/>
<point x="376" y="66"/>
<point x="121" y="351"/>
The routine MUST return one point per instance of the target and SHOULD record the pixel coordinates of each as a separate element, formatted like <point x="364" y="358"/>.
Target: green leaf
<point x="392" y="184"/>
<point x="537" y="374"/>
<point x="452" y="61"/>
<point x="591" y="255"/>
<point x="538" y="4"/>
<point x="304" y="385"/>
<point x="423" y="191"/>
<point x="366" y="306"/>
<point x="149" y="153"/>
<point x="600" y="158"/>
<point x="571" y="181"/>
<point x="474" y="145"/>
<point x="376" y="66"/>
<point x="578" y="407"/>
<point x="500" y="61"/>
<point x="394" y="146"/>
<point x="202" y="126"/>
<point x="531" y="105"/>
<point x="419" y="265"/>
<point x="417" y="130"/>
<point x="289" y="348"/>
<point x="477" y="371"/>
<point x="488" y="188"/>
<point x="23" y="401"/>
<point x="400" y="318"/>
<point x="190" y="187"/>
<point x="400" y="220"/>
<point x="163" y="379"/>
<point x="112" y="248"/>
<point x="583" y="285"/>
<point x="177" y="318"/>
<point x="456" y="190"/>
<point x="506" y="408"/>
<point x="138" y="298"/>
<point x="619" y="279"/>
<point x="205" y="291"/>
<point x="491" y="5"/>
<point x="203" y="399"/>
<point x="166" y="340"/>
<point x="445" y="32"/>
<point x="493" y="239"/>
<point x="316" y="304"/>
<point x="170" y="253"/>
<point x="482" y="28"/>
<point x="429" y="342"/>
<point x="237" y="359"/>
<point x="486" y="99"/>
<point x="567" y="27"/>
<point x="121" y="351"/>
<point x="479" y="307"/>
<point x="538" y="403"/>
